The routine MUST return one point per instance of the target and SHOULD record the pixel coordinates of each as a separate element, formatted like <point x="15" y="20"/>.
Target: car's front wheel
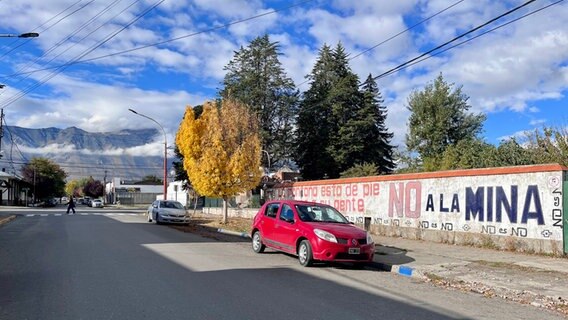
<point x="305" y="253"/>
<point x="157" y="219"/>
<point x="257" y="245"/>
<point x="149" y="216"/>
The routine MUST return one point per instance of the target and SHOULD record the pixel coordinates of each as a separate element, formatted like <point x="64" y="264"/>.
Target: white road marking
<point x="82" y="214"/>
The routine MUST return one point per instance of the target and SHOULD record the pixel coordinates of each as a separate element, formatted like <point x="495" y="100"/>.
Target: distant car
<point x="49" y="203"/>
<point x="312" y="231"/>
<point x="168" y="211"/>
<point x="97" y="203"/>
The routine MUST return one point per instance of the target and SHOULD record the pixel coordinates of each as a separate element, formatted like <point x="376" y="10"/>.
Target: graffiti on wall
<point x="525" y="205"/>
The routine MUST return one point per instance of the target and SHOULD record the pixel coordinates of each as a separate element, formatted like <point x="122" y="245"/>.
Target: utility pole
<point x="1" y="129"/>
<point x="104" y="187"/>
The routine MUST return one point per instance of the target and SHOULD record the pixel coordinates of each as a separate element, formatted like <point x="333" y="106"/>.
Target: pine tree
<point x="256" y="78"/>
<point x="345" y="143"/>
<point x="314" y="122"/>
<point x="373" y="130"/>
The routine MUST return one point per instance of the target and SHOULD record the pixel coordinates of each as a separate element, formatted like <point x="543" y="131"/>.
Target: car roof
<point x="293" y="202"/>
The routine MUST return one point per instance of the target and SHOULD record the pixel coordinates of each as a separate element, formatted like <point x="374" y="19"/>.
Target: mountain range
<point x="126" y="154"/>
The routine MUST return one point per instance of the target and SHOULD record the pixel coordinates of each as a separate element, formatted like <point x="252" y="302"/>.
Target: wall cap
<point x="436" y="174"/>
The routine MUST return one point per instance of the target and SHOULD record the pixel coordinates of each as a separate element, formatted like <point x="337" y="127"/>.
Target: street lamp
<point x="165" y="152"/>
<point x="23" y="35"/>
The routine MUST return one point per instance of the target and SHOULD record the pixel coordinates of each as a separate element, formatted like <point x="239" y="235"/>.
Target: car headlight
<point x="324" y="235"/>
<point x="369" y="238"/>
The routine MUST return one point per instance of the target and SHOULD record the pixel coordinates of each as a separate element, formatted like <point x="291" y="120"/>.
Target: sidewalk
<point x="530" y="279"/>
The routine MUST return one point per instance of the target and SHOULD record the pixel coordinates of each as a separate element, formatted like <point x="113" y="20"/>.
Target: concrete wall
<point x="232" y="212"/>
<point x="513" y="208"/>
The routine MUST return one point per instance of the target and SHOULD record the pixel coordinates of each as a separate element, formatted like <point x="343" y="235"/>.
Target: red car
<point x="312" y="231"/>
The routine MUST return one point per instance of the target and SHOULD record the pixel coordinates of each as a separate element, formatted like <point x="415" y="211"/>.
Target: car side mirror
<point x="154" y="206"/>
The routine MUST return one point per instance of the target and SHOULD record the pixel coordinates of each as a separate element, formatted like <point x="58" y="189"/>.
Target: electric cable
<point x="454" y="39"/>
<point x="80" y="56"/>
<point x="396" y="35"/>
<point x="68" y="38"/>
<point x="38" y="27"/>
<point x="165" y="41"/>
<point x="477" y="36"/>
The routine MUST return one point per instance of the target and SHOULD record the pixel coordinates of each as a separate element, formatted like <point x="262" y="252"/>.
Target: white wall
<point x="502" y="202"/>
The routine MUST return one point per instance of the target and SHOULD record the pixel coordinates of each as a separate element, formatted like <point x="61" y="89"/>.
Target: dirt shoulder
<point x="6" y="219"/>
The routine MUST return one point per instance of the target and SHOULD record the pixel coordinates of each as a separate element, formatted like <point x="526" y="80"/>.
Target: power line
<point x="69" y="36"/>
<point x="165" y="41"/>
<point x="41" y="25"/>
<point x="477" y="36"/>
<point x="452" y="40"/>
<point x="86" y="52"/>
<point x="397" y="35"/>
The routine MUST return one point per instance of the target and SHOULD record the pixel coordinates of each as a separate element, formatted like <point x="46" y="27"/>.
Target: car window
<point x="286" y="214"/>
<point x="272" y="209"/>
<point x="316" y="213"/>
<point x="175" y="205"/>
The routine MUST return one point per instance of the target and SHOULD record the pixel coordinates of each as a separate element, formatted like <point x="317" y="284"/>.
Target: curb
<point x="406" y="271"/>
<point x="234" y="233"/>
<point x="6" y="220"/>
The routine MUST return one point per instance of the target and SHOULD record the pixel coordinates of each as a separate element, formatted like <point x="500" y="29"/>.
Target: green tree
<point x="465" y="154"/>
<point x="315" y="122"/>
<point x="346" y="144"/>
<point x="221" y="150"/>
<point x="256" y="78"/>
<point x="511" y="153"/>
<point x="376" y="139"/>
<point x="439" y="118"/>
<point x="47" y="177"/>
<point x="361" y="170"/>
<point x="151" y="179"/>
<point x="549" y="146"/>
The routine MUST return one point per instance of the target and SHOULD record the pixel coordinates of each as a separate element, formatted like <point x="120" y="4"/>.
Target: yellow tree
<point x="74" y="188"/>
<point x="221" y="150"/>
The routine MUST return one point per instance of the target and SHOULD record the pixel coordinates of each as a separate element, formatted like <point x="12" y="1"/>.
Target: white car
<point x="97" y="203"/>
<point x="168" y="211"/>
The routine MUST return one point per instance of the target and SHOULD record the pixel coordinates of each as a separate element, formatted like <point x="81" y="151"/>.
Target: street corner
<point x="6" y="219"/>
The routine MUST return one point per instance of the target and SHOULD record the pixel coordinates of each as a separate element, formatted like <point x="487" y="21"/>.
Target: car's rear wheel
<point x="305" y="253"/>
<point x="257" y="245"/>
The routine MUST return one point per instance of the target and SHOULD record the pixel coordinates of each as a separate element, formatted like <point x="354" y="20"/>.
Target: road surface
<point x="112" y="264"/>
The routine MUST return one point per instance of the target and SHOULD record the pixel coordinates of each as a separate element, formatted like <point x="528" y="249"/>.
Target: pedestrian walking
<point x="71" y="205"/>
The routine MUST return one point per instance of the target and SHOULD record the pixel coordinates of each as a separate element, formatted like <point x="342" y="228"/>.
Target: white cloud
<point x="150" y="149"/>
<point x="513" y="69"/>
<point x="537" y="122"/>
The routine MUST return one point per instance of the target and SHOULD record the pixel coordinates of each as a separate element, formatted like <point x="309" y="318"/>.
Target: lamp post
<point x="22" y="35"/>
<point x="165" y="152"/>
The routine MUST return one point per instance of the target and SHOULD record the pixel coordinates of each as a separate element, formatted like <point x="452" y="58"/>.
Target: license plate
<point x="354" y="250"/>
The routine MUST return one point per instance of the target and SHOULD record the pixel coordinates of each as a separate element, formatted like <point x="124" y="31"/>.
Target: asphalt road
<point x="104" y="264"/>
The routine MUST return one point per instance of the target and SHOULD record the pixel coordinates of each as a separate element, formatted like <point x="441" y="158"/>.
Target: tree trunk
<point x="225" y="209"/>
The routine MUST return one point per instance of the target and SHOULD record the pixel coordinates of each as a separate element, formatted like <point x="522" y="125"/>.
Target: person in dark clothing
<point x="71" y="205"/>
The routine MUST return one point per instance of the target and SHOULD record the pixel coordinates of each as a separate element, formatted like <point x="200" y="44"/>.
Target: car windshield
<point x="171" y="204"/>
<point x="319" y="213"/>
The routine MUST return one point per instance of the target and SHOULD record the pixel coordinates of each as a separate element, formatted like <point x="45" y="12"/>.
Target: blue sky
<point x="516" y="75"/>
